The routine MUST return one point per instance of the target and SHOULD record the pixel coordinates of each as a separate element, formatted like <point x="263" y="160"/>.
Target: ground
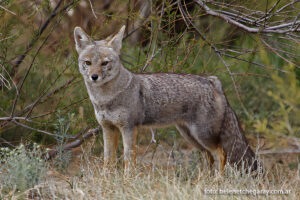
<point x="183" y="174"/>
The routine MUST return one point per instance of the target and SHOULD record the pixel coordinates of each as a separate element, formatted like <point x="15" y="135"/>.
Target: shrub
<point x="21" y="168"/>
<point x="284" y="120"/>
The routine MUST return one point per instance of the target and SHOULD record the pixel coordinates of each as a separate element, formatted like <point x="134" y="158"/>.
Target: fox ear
<point x="81" y="39"/>
<point x="116" y="41"/>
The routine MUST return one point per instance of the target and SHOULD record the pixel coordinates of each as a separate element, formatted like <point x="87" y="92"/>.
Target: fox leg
<point x="110" y="137"/>
<point x="187" y="135"/>
<point x="219" y="157"/>
<point x="215" y="154"/>
<point x="129" y="143"/>
<point x="211" y="144"/>
<point x="210" y="158"/>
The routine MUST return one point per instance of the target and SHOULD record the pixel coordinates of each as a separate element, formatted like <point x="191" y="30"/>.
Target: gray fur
<point x="125" y="101"/>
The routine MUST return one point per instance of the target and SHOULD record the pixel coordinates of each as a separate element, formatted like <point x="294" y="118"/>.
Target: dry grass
<point x="183" y="179"/>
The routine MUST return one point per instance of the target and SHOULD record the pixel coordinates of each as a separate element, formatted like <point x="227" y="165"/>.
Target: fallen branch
<point x="76" y="143"/>
<point x="282" y="151"/>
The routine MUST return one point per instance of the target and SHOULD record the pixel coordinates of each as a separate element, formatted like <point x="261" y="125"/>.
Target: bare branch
<point x="54" y="13"/>
<point x="282" y="151"/>
<point x="26" y="74"/>
<point x="44" y="96"/>
<point x="6" y="142"/>
<point x="55" y="111"/>
<point x="267" y="14"/>
<point x="4" y="82"/>
<point x="7" y="38"/>
<point x="77" y="142"/>
<point x="92" y="9"/>
<point x="34" y="129"/>
<point x="273" y="29"/>
<point x="291" y="24"/>
<point x="216" y="50"/>
<point x="274" y="51"/>
<point x="11" y="12"/>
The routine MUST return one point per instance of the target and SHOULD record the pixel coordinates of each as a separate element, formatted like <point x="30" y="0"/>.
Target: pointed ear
<point x="116" y="41"/>
<point x="81" y="39"/>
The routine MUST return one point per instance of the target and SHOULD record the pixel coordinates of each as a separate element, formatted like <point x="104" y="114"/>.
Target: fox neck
<point x="108" y="91"/>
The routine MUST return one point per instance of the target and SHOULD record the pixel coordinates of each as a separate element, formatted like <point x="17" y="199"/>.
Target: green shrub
<point x="284" y="120"/>
<point x="62" y="127"/>
<point x="21" y="168"/>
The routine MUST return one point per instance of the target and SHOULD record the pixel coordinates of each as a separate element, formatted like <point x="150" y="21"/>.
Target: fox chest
<point x="115" y="117"/>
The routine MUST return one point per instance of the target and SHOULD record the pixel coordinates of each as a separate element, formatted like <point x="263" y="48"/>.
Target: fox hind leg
<point x="211" y="143"/>
<point x="214" y="151"/>
<point x="187" y="135"/>
<point x="219" y="157"/>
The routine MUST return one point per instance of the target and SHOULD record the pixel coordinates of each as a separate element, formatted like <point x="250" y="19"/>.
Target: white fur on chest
<point x="117" y="117"/>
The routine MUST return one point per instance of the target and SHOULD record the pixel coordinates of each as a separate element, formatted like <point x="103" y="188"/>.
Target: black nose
<point x="95" y="77"/>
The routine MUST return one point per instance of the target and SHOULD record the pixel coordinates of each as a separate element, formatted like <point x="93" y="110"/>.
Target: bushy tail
<point x="234" y="142"/>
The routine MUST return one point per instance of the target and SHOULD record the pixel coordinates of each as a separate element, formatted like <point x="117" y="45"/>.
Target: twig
<point x="266" y="16"/>
<point x="26" y="74"/>
<point x="77" y="142"/>
<point x="7" y="38"/>
<point x="280" y="9"/>
<point x="282" y="151"/>
<point x="274" y="51"/>
<point x="13" y="118"/>
<point x="216" y="50"/>
<point x="291" y="24"/>
<point x="254" y="63"/>
<point x="42" y="29"/>
<point x="34" y="129"/>
<point x="242" y="26"/>
<point x="31" y="106"/>
<point x="153" y="140"/>
<point x="51" y="112"/>
<point x="11" y="12"/>
<point x="6" y="142"/>
<point x="5" y="82"/>
<point x="93" y="9"/>
<point x="150" y="59"/>
<point x="154" y="39"/>
<point x="44" y="93"/>
<point x="9" y="77"/>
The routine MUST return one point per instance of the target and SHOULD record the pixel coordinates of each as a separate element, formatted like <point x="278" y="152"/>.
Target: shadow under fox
<point x="124" y="101"/>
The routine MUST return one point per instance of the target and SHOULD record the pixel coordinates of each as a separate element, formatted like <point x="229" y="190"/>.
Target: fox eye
<point x="88" y="62"/>
<point x="104" y="63"/>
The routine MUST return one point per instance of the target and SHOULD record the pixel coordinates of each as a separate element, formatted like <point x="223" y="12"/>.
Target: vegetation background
<point x="252" y="46"/>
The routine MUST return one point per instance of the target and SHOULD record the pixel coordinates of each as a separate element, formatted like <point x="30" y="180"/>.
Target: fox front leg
<point x="129" y="142"/>
<point x="110" y="137"/>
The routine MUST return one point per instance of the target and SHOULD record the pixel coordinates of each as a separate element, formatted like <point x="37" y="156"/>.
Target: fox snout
<point x="95" y="73"/>
<point x="94" y="77"/>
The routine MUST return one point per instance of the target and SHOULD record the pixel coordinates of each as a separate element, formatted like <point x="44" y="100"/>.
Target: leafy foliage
<point x="284" y="119"/>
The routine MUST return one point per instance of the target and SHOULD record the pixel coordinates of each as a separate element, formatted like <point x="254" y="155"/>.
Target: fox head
<point x="98" y="61"/>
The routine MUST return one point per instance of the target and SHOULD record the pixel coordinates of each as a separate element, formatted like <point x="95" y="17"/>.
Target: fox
<point x="124" y="102"/>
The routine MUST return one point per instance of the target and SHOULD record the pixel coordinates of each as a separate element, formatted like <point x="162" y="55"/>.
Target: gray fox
<point x="124" y="101"/>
